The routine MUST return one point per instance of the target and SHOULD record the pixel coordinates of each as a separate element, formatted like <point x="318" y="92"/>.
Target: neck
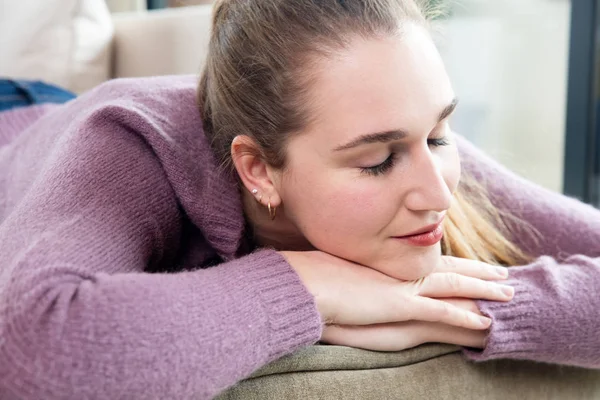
<point x="280" y="233"/>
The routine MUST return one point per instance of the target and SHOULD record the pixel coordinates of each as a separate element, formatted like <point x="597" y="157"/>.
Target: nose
<point x="428" y="189"/>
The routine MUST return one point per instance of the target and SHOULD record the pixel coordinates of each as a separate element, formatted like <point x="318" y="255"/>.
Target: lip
<point x="426" y="229"/>
<point x="426" y="236"/>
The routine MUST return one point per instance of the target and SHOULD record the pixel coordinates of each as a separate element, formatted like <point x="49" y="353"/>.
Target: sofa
<point x="78" y="44"/>
<point x="179" y="38"/>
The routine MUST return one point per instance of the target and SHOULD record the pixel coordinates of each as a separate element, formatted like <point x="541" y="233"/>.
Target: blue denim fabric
<point x="20" y="93"/>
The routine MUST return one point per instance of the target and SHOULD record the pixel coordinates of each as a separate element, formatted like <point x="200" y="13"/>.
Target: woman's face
<point x="378" y="162"/>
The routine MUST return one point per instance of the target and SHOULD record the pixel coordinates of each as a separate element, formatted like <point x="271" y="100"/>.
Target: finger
<point x="433" y="310"/>
<point x="448" y="284"/>
<point x="472" y="268"/>
<point x="381" y="337"/>
<point x="441" y="333"/>
<point x="465" y="304"/>
<point x="401" y="336"/>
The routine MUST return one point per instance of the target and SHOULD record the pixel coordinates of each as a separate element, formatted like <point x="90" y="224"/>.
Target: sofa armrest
<point x="163" y="42"/>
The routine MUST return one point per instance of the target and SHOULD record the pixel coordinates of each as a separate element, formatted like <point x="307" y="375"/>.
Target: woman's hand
<point x="365" y="308"/>
<point x="404" y="335"/>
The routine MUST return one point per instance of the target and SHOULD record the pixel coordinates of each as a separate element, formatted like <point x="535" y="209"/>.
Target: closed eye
<point x="382" y="168"/>
<point x="443" y="141"/>
<point x="389" y="162"/>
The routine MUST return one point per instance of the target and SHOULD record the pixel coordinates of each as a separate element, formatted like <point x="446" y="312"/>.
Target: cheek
<point x="359" y="205"/>
<point x="333" y="208"/>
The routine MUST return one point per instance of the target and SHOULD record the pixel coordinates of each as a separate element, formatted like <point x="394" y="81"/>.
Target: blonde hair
<point x="475" y="228"/>
<point x="256" y="77"/>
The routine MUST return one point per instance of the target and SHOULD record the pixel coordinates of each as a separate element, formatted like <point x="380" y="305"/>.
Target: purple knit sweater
<point x="97" y="193"/>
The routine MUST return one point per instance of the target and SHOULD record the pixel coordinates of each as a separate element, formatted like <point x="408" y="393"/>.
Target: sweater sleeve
<point x="79" y="317"/>
<point x="555" y="314"/>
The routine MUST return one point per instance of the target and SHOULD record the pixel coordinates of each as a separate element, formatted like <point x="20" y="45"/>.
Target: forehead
<point x="380" y="84"/>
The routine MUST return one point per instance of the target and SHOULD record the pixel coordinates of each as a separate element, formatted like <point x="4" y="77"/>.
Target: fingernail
<point x="503" y="272"/>
<point x="485" y="321"/>
<point x="508" y="291"/>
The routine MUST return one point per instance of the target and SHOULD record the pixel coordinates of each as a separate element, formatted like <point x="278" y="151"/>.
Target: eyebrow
<point x="388" y="136"/>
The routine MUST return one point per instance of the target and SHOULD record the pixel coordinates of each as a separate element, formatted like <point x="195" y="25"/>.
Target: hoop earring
<point x="272" y="211"/>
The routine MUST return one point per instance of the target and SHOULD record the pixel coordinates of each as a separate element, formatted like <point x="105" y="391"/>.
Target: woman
<point x="136" y="265"/>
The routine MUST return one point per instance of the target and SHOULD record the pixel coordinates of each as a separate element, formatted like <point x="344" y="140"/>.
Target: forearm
<point x="540" y="222"/>
<point x="554" y="316"/>
<point x="186" y="335"/>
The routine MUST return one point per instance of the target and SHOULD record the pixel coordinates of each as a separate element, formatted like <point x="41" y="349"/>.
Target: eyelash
<point x="389" y="163"/>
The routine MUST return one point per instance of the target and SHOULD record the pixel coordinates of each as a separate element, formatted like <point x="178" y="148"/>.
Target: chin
<point x="412" y="265"/>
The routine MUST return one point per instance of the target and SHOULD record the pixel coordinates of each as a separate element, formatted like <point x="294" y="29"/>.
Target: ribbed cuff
<point x="514" y="332"/>
<point x="553" y="317"/>
<point x="291" y="311"/>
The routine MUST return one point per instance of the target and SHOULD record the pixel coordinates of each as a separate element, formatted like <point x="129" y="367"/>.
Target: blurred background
<point x="525" y="70"/>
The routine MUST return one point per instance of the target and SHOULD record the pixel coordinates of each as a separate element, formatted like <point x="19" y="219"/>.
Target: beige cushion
<point x="64" y="42"/>
<point x="164" y="42"/>
<point x="427" y="372"/>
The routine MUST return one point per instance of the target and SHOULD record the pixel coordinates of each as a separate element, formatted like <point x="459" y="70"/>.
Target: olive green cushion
<point x="426" y="372"/>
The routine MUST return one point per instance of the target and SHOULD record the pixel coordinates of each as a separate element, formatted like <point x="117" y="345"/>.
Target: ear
<point x="253" y="170"/>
